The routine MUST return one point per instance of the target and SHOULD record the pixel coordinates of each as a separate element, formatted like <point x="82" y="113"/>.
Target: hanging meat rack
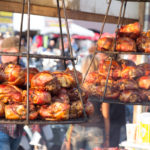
<point x="62" y="57"/>
<point x="112" y="54"/>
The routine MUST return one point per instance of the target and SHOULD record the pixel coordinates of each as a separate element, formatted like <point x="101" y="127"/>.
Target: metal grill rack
<point x="114" y="53"/>
<point x="62" y="57"/>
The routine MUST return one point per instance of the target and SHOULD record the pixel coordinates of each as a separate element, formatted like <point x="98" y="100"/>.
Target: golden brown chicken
<point x="144" y="82"/>
<point x="105" y="44"/>
<point x="66" y="80"/>
<point x="111" y="93"/>
<point x="125" y="44"/>
<point x="46" y="81"/>
<point x="18" y="112"/>
<point x="55" y="111"/>
<point x="115" y="70"/>
<point x="143" y="44"/>
<point x="39" y="97"/>
<point x="124" y="63"/>
<point x="132" y="96"/>
<point x="145" y="67"/>
<point x="71" y="72"/>
<point x="131" y="72"/>
<point x="127" y="84"/>
<point x="14" y="75"/>
<point x="10" y="93"/>
<point x="76" y="110"/>
<point x="32" y="72"/>
<point x="131" y="30"/>
<point x="93" y="77"/>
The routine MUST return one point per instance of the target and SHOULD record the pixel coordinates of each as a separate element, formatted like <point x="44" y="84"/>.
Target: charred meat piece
<point x="18" y="112"/>
<point x="93" y="77"/>
<point x="14" y="75"/>
<point x="143" y="44"/>
<point x="89" y="108"/>
<point x="55" y="111"/>
<point x="115" y="70"/>
<point x="76" y="110"/>
<point x="125" y="44"/>
<point x="127" y="84"/>
<point x="32" y="72"/>
<point x="39" y="97"/>
<point x="10" y="93"/>
<point x="111" y="93"/>
<point x="71" y="72"/>
<point x="46" y="81"/>
<point x="132" y="96"/>
<point x="130" y="30"/>
<point x="145" y="67"/>
<point x="144" y="82"/>
<point x="66" y="80"/>
<point x="131" y="72"/>
<point x="124" y="63"/>
<point x="105" y="44"/>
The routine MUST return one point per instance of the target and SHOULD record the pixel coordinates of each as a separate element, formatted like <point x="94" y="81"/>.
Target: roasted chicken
<point x="127" y="84"/>
<point x="115" y="70"/>
<point x="125" y="44"/>
<point x="124" y="63"/>
<point x="32" y="72"/>
<point x="132" y="96"/>
<point x="55" y="111"/>
<point x="18" y="112"/>
<point x="39" y="97"/>
<point x="131" y="72"/>
<point x="66" y="80"/>
<point x="93" y="77"/>
<point x="10" y="93"/>
<point x="76" y="109"/>
<point x="46" y="81"/>
<point x="130" y="30"/>
<point x="14" y="75"/>
<point x="144" y="82"/>
<point x="145" y="67"/>
<point x="105" y="44"/>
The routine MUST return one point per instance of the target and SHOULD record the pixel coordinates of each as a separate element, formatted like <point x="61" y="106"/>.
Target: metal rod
<point x="21" y="25"/>
<point x="28" y="51"/>
<point x="119" y="18"/>
<point x="37" y="55"/>
<point x="61" y="34"/>
<point x="101" y="31"/>
<point x="124" y="10"/>
<point x="73" y="63"/>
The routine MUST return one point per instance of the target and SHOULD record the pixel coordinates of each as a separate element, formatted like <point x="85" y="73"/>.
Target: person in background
<point x="90" y="135"/>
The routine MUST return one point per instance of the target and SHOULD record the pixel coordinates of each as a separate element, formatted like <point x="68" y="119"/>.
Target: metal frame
<point x="113" y="54"/>
<point x="62" y="57"/>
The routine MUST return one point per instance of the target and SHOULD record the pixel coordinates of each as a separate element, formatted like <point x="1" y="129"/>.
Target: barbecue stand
<point x="114" y="53"/>
<point x="62" y="57"/>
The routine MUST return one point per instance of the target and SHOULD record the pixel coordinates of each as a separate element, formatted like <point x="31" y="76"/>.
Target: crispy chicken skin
<point x="10" y="93"/>
<point x="66" y="80"/>
<point x="55" y="111"/>
<point x="39" y="97"/>
<point x="32" y="72"/>
<point x="125" y="44"/>
<point x="132" y="96"/>
<point x="105" y="44"/>
<point x="45" y="80"/>
<point x="14" y="75"/>
<point x="18" y="112"/>
<point x="130" y="30"/>
<point x="144" y="82"/>
<point x="127" y="84"/>
<point x="115" y="70"/>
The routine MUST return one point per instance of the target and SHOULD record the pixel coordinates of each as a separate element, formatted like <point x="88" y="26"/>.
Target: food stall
<point x="47" y="8"/>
